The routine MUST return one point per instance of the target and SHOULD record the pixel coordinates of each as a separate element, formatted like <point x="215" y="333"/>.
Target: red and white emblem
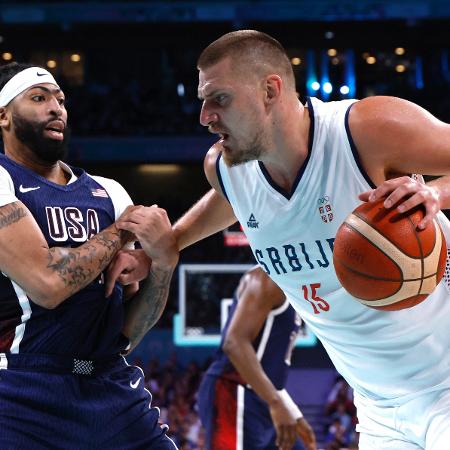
<point x="325" y="209"/>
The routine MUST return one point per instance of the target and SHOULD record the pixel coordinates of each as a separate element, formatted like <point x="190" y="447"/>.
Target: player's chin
<point x="228" y="155"/>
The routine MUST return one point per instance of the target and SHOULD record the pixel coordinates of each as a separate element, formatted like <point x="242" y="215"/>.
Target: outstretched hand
<point x="406" y="193"/>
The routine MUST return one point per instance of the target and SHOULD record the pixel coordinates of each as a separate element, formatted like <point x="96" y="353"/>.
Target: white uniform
<point x="389" y="358"/>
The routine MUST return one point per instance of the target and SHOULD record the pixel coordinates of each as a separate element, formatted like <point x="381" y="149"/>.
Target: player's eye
<point x="38" y="98"/>
<point x="221" y="98"/>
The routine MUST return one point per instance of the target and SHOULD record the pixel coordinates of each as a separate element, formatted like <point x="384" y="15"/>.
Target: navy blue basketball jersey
<point x="87" y="324"/>
<point x="273" y="345"/>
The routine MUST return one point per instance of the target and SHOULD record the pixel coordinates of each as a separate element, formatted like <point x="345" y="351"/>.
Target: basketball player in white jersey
<point x="291" y="173"/>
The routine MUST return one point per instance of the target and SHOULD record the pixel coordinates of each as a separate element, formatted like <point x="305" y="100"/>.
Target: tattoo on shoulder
<point x="10" y="214"/>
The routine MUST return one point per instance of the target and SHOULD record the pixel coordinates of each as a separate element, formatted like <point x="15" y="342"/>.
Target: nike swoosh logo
<point x="40" y="74"/>
<point x="135" y="384"/>
<point x="25" y="189"/>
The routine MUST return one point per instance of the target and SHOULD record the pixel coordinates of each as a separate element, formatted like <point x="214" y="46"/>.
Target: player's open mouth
<point x="55" y="129"/>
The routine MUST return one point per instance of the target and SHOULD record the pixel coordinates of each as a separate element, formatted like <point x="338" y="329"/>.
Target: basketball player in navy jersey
<point x="242" y="401"/>
<point x="299" y="170"/>
<point x="63" y="381"/>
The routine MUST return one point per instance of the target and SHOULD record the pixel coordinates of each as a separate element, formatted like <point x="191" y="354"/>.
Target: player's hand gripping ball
<point x="383" y="260"/>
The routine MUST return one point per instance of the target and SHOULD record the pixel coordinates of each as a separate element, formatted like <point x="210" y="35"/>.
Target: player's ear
<point x="4" y="118"/>
<point x="272" y="88"/>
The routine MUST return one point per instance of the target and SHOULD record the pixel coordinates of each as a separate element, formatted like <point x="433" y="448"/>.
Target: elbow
<point x="50" y="302"/>
<point x="47" y="295"/>
<point x="230" y="346"/>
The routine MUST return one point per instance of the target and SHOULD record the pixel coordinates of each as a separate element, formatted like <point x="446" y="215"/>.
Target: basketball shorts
<point x="43" y="406"/>
<point x="234" y="417"/>
<point x="421" y="423"/>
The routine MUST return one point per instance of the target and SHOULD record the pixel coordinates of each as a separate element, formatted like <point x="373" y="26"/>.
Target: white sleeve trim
<point x="7" y="191"/>
<point x="119" y="196"/>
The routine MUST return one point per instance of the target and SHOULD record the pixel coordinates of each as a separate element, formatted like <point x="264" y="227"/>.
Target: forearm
<point x="212" y="213"/>
<point x="72" y="269"/>
<point x="244" y="359"/>
<point x="145" y="308"/>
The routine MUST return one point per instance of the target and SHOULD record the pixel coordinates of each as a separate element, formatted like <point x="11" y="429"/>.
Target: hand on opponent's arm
<point x="152" y="228"/>
<point x="211" y="214"/>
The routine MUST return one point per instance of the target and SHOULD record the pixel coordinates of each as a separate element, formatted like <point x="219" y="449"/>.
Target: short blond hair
<point x="249" y="50"/>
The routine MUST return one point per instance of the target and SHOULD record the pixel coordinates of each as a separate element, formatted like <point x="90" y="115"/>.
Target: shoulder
<point x="4" y="172"/>
<point x="210" y="166"/>
<point x="119" y="196"/>
<point x="387" y="131"/>
<point x="109" y="184"/>
<point x="7" y="190"/>
<point x="381" y="111"/>
<point x="257" y="283"/>
<point x="211" y="158"/>
<point x="5" y="178"/>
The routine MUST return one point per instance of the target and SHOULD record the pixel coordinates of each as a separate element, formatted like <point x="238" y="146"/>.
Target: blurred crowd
<point x="125" y="106"/>
<point x="340" y="417"/>
<point x="174" y="390"/>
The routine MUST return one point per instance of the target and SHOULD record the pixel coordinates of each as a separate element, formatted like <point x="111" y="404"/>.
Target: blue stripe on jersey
<point x="355" y="150"/>
<point x="266" y="174"/>
<point x="87" y="324"/>
<point x="219" y="175"/>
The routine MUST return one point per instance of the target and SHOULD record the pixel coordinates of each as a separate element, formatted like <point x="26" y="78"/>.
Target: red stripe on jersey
<point x="225" y="415"/>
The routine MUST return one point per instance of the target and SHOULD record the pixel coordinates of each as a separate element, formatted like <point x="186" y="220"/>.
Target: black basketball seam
<point x="401" y="280"/>
<point x="393" y="243"/>
<point x="375" y="278"/>
<point x="370" y="277"/>
<point x="422" y="264"/>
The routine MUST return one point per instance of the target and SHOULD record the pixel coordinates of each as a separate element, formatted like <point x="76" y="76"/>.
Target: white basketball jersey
<point x="383" y="355"/>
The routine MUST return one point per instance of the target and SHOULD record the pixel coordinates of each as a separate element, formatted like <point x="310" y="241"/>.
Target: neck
<point x="290" y="147"/>
<point x="22" y="155"/>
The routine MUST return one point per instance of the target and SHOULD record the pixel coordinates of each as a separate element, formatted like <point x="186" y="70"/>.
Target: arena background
<point x="128" y="70"/>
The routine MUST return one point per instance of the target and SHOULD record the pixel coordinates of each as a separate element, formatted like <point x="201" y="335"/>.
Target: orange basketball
<point x="383" y="260"/>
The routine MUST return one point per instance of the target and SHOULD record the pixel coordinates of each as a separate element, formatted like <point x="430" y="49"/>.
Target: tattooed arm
<point x="50" y="275"/>
<point x="152" y="228"/>
<point x="145" y="308"/>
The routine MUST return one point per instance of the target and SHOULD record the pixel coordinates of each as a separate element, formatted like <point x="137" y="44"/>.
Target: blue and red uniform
<point x="234" y="416"/>
<point x="63" y="383"/>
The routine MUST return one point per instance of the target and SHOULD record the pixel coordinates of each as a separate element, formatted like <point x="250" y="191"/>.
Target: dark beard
<point x="32" y="135"/>
<point x="251" y="153"/>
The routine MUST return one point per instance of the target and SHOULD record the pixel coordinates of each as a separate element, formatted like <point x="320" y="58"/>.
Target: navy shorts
<point x="234" y="417"/>
<point x="44" y="407"/>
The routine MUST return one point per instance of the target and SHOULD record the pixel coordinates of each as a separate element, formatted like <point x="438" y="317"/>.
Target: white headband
<point x="24" y="80"/>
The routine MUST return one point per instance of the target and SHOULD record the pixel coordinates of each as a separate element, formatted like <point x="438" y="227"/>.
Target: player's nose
<point x="55" y="107"/>
<point x="207" y="116"/>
